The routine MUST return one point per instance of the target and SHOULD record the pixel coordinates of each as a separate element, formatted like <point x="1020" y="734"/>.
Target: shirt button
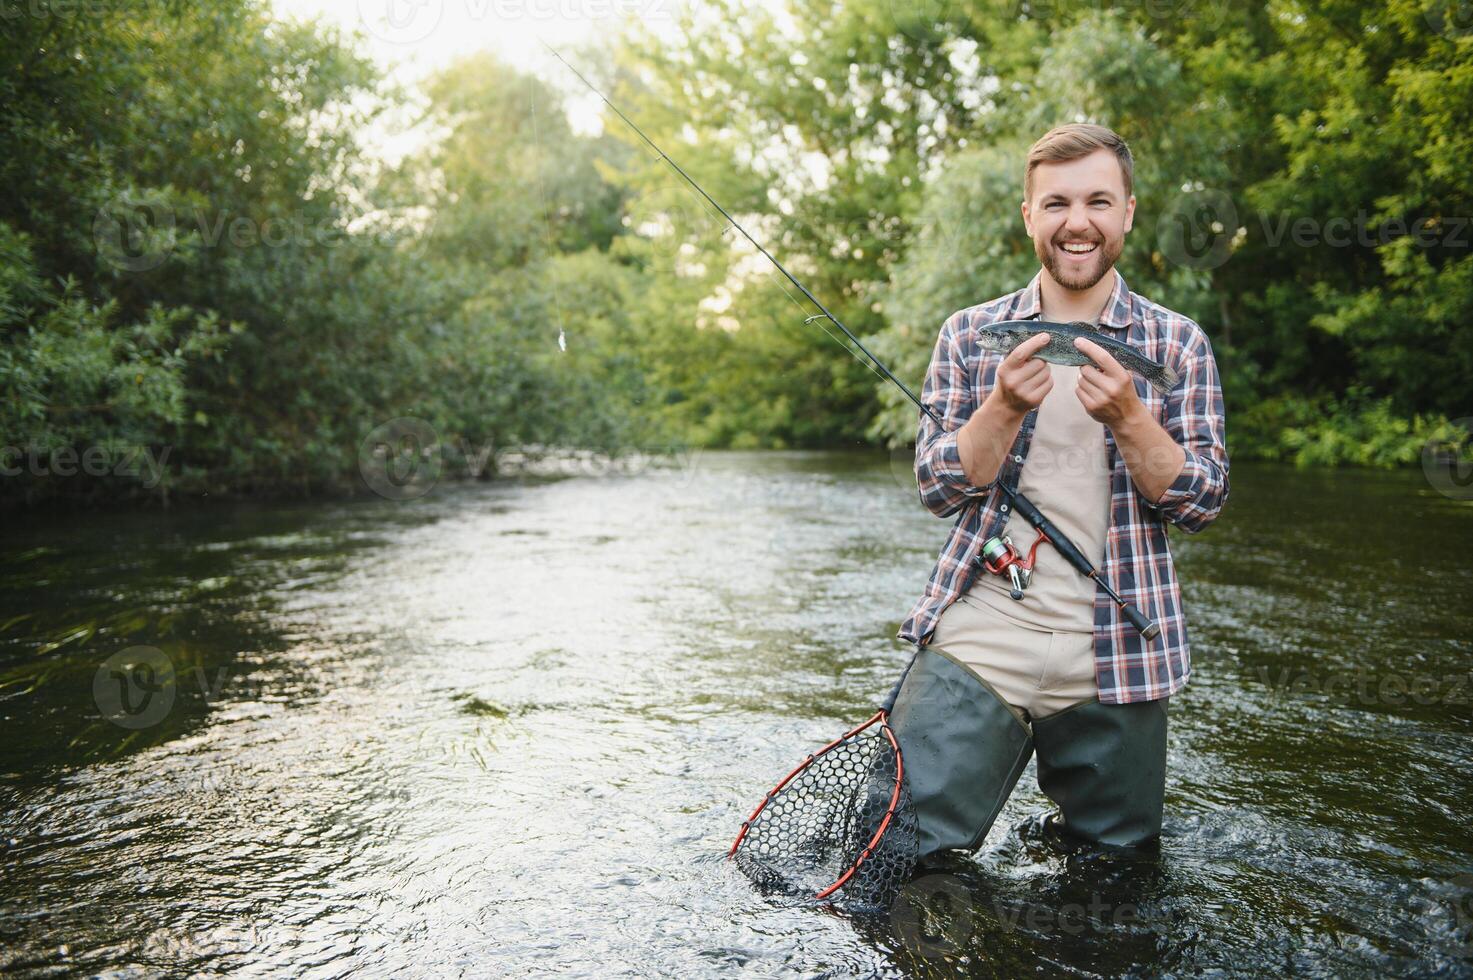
<point x="1017" y="459"/>
<point x="1004" y="508"/>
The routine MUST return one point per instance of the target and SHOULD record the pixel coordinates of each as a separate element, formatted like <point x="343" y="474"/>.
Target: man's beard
<point x="1073" y="277"/>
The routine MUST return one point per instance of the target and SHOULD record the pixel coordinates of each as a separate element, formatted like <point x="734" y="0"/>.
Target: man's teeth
<point x="1079" y="248"/>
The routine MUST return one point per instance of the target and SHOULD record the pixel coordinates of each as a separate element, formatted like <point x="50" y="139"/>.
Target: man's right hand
<point x="1023" y="381"/>
<point x="1020" y="385"/>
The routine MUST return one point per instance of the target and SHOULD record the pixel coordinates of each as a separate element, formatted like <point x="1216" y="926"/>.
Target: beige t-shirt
<point x="1067" y="476"/>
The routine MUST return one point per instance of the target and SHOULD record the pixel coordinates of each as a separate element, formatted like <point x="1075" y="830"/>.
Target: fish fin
<point x="1166" y="381"/>
<point x="1085" y="325"/>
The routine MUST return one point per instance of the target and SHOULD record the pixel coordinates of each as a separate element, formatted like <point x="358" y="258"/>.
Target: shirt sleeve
<point x="948" y="392"/>
<point x="1194" y="418"/>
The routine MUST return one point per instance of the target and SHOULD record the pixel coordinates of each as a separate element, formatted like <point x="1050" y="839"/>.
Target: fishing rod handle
<point x="1148" y="629"/>
<point x="1057" y="538"/>
<point x="1075" y="557"/>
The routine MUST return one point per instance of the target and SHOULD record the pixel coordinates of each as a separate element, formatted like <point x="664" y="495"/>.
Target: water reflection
<point x="514" y="726"/>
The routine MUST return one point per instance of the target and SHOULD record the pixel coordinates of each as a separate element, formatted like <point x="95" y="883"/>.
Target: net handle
<point x="889" y="704"/>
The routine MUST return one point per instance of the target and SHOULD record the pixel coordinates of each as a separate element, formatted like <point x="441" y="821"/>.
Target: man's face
<point x="1078" y="214"/>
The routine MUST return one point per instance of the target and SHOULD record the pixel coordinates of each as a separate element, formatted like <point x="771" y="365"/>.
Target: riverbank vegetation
<point x="206" y="262"/>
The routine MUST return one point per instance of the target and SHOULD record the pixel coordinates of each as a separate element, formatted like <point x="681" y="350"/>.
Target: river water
<point x="511" y="728"/>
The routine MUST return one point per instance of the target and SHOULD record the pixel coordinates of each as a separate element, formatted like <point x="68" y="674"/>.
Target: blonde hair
<point x="1064" y="143"/>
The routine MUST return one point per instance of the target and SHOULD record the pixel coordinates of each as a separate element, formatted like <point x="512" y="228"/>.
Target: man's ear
<point x="1129" y="212"/>
<point x="1028" y="218"/>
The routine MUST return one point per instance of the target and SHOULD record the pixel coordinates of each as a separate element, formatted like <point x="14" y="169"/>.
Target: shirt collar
<point x="1117" y="309"/>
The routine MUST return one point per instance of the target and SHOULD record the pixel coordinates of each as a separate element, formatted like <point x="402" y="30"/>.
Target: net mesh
<point x="817" y="827"/>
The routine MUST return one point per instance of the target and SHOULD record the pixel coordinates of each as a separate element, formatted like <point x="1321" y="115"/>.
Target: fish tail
<point x="1165" y="380"/>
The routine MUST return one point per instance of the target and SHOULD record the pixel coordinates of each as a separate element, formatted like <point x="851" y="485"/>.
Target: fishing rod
<point x="1047" y="530"/>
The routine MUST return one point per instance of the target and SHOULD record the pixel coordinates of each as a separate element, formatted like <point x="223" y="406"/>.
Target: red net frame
<point x="796" y="816"/>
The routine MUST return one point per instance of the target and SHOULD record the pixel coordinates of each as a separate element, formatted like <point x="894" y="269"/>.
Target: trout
<point x="1002" y="337"/>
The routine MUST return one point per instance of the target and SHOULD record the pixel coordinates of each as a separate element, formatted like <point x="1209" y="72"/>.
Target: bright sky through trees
<point x="412" y="38"/>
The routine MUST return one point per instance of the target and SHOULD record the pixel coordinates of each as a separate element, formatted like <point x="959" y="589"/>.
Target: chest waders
<point x="1104" y="765"/>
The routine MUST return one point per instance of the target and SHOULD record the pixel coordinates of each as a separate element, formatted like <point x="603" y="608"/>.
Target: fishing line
<point x="883" y="370"/>
<point x="1023" y="506"/>
<point x="562" y="335"/>
<point x="725" y="227"/>
<point x="810" y="318"/>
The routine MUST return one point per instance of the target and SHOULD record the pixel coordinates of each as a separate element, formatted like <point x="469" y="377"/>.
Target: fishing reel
<point x="999" y="556"/>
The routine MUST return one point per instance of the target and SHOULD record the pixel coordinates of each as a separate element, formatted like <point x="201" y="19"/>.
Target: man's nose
<point x="1078" y="219"/>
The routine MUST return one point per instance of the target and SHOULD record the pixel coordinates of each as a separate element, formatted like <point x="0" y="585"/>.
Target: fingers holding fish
<point x="1023" y="381"/>
<point x="1020" y="354"/>
<point x="1109" y="397"/>
<point x="1103" y="361"/>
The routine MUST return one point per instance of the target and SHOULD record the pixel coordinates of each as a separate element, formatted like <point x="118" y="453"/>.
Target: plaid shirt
<point x="1137" y="560"/>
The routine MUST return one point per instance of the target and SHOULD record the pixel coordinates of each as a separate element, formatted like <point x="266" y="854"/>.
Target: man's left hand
<point x="1105" y="388"/>
<point x="1108" y="395"/>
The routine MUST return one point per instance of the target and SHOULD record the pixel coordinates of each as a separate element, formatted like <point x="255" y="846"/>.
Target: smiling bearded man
<point x="1112" y="462"/>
